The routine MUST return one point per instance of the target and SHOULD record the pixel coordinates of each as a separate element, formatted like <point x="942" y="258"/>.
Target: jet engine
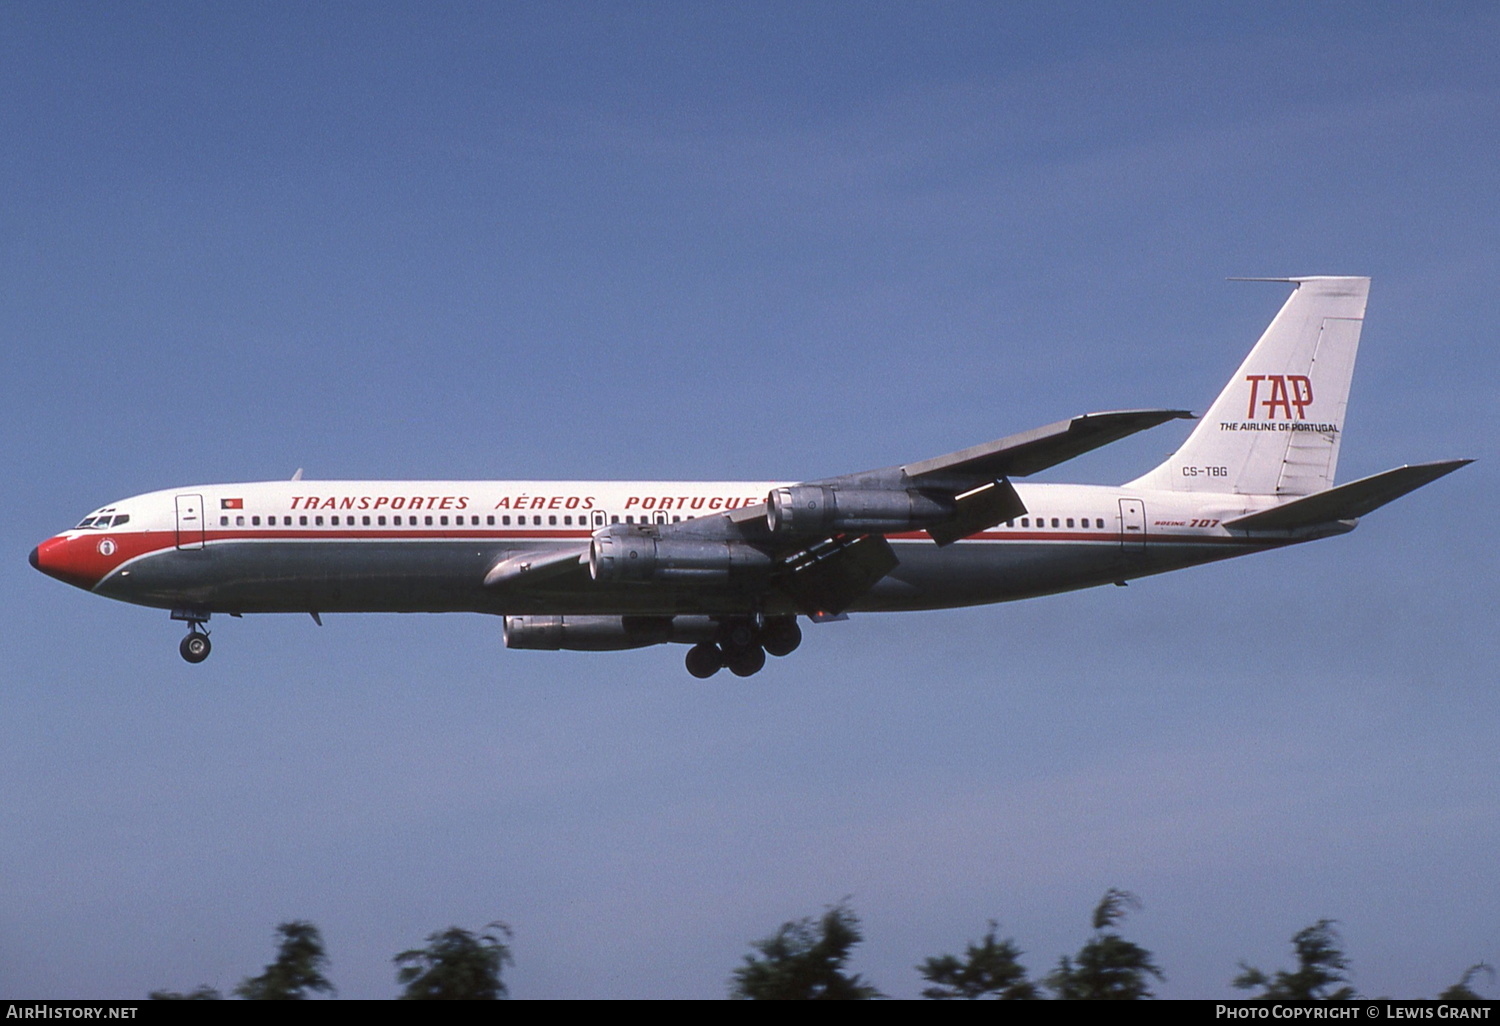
<point x="604" y="633"/>
<point x="640" y="556"/>
<point x="819" y="509"/>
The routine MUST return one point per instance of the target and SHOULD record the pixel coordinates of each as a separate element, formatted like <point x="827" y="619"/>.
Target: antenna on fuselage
<point x="298" y="475"/>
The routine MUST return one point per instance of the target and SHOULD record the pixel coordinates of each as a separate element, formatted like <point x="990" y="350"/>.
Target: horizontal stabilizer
<point x="532" y="566"/>
<point x="1036" y="450"/>
<point x="1348" y="501"/>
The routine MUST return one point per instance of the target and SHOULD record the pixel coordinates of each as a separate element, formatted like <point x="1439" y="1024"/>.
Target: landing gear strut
<point x="743" y="644"/>
<point x="196" y="646"/>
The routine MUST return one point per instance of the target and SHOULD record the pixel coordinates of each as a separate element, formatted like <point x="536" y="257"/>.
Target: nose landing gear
<point x="196" y="646"/>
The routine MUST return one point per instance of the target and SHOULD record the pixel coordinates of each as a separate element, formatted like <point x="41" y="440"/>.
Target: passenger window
<point x="614" y="519"/>
<point x="302" y="521"/>
<point x="1054" y="522"/>
<point x="255" y="521"/>
<point x="1099" y="523"/>
<point x="380" y="521"/>
<point x="505" y="520"/>
<point x="552" y="520"/>
<point x="1025" y="521"/>
<point x="239" y="521"/>
<point x="223" y="521"/>
<point x="1070" y="521"/>
<point x="317" y="521"/>
<point x="489" y="521"/>
<point x="1010" y="523"/>
<point x="676" y="520"/>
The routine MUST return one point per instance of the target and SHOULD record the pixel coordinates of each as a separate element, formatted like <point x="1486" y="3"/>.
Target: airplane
<point x="727" y="568"/>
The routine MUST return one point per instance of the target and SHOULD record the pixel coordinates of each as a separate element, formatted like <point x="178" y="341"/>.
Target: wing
<point x="824" y="543"/>
<point x="1032" y="451"/>
<point x="828" y="537"/>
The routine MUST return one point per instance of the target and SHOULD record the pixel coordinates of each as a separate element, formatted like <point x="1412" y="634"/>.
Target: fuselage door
<point x="600" y="519"/>
<point x="190" y="521"/>
<point x="1133" y="525"/>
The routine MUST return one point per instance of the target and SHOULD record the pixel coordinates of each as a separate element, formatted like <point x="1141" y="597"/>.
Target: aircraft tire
<point x="195" y="647"/>
<point x="746" y="662"/>
<point x="781" y="637"/>
<point x="703" y="661"/>
<point x="737" y="635"/>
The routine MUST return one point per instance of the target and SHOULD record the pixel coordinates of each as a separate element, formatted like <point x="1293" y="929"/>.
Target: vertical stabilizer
<point x="1276" y="427"/>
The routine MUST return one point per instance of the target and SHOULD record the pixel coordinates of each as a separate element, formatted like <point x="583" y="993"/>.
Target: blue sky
<point x="764" y="241"/>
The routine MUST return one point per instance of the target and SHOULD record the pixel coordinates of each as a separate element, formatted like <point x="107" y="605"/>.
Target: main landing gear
<point x="196" y="646"/>
<point x="742" y="646"/>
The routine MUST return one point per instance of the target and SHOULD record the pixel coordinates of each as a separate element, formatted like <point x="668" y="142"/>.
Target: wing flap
<point x="826" y="579"/>
<point x="975" y="511"/>
<point x="1347" y="501"/>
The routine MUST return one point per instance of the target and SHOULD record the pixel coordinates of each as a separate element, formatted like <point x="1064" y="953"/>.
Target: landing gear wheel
<point x="703" y="661"/>
<point x="195" y="647"/>
<point x="745" y="662"/>
<point x="737" y="635"/>
<point x="781" y="636"/>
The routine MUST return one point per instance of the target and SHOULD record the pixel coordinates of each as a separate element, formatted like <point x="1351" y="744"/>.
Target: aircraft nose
<point x="68" y="562"/>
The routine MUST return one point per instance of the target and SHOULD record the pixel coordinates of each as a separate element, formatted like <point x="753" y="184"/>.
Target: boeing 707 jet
<point x="728" y="567"/>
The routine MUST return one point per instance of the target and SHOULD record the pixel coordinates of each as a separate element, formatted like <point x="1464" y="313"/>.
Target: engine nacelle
<point x="586" y="633"/>
<point x="637" y="557"/>
<point x="818" y="509"/>
<point x="605" y="633"/>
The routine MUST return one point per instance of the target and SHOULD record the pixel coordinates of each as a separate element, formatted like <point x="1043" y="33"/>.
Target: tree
<point x="456" y="966"/>
<point x="1321" y="964"/>
<point x="1108" y="967"/>
<point x="804" y="961"/>
<point x="299" y="965"/>
<point x="989" y="967"/>
<point x="1461" y="991"/>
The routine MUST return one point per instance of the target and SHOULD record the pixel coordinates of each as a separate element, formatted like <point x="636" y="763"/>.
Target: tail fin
<point x="1275" y="429"/>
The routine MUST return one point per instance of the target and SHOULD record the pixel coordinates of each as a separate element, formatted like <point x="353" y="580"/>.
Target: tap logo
<point x="1284" y="392"/>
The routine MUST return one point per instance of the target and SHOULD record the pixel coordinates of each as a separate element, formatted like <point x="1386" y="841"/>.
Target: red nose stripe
<point x="86" y="559"/>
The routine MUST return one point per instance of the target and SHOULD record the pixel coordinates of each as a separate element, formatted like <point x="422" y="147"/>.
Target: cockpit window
<point x="101" y="522"/>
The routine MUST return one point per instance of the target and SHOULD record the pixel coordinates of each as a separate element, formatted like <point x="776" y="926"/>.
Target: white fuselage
<point x="323" y="546"/>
